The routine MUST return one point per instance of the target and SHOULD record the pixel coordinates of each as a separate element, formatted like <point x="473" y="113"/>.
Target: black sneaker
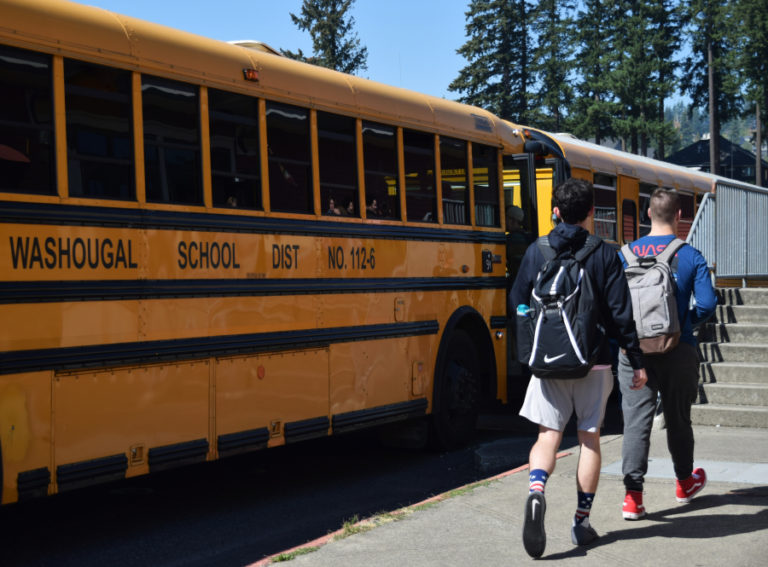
<point x="534" y="537"/>
<point x="583" y="535"/>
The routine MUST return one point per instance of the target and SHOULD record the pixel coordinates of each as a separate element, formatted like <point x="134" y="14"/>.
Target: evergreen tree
<point x="664" y="28"/>
<point x="334" y="43"/>
<point x="595" y="106"/>
<point x="497" y="77"/>
<point x="710" y="77"/>
<point x="753" y="61"/>
<point x="552" y="98"/>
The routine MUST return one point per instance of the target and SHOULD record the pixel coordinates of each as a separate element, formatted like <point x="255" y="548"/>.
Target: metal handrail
<point x="731" y="231"/>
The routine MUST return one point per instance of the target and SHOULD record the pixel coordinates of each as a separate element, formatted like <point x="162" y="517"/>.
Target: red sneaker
<point x="633" y="508"/>
<point x="686" y="489"/>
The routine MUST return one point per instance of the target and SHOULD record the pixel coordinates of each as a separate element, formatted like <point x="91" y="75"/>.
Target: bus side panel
<point x="269" y="391"/>
<point x="370" y="373"/>
<point x="130" y="411"/>
<point x="25" y="427"/>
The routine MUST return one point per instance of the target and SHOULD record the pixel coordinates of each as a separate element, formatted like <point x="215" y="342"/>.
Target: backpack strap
<point x="590" y="245"/>
<point x="669" y="252"/>
<point x="545" y="248"/>
<point x="629" y="256"/>
<point x="667" y="255"/>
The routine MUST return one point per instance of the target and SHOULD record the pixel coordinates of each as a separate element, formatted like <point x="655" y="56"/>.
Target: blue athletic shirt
<point x="691" y="275"/>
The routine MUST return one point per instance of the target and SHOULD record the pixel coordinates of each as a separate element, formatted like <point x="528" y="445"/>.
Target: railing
<point x="731" y="230"/>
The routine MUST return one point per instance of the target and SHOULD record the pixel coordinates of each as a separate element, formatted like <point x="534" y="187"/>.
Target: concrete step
<point x="734" y="394"/>
<point x="735" y="333"/>
<point x="733" y="352"/>
<point x="741" y="314"/>
<point x="730" y="416"/>
<point x="734" y="372"/>
<point x="743" y="296"/>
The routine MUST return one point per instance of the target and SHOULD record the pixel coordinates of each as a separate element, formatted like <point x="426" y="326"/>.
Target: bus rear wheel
<point x="456" y="398"/>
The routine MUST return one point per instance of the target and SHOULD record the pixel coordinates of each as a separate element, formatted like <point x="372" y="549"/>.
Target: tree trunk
<point x="759" y="144"/>
<point x="597" y="128"/>
<point x="661" y="134"/>
<point x="714" y="120"/>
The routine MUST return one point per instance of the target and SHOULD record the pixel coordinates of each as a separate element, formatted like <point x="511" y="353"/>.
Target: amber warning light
<point x="251" y="75"/>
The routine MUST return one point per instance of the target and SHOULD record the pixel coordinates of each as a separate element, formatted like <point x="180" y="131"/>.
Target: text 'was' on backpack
<point x="654" y="298"/>
<point x="561" y="333"/>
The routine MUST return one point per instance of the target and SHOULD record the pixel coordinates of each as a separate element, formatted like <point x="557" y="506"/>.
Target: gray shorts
<point x="550" y="401"/>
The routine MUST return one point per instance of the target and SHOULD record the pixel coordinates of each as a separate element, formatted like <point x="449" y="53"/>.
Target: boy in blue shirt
<point x="674" y="374"/>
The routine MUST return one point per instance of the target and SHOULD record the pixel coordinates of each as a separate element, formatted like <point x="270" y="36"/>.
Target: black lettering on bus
<point x="50" y="252"/>
<point x="79" y="262"/>
<point x="335" y="258"/>
<point x="64" y="252"/>
<point x="204" y="255"/>
<point x="120" y="255"/>
<point x="182" y="254"/>
<point x="93" y="254"/>
<point x="107" y="258"/>
<point x="285" y="256"/>
<point x="36" y="255"/>
<point x="192" y="263"/>
<point x="215" y="255"/>
<point x="226" y="255"/>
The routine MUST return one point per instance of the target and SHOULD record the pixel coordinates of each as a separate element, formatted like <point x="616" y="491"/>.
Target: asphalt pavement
<point x="481" y="524"/>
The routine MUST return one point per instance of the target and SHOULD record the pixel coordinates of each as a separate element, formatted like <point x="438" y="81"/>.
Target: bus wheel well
<point x="463" y="379"/>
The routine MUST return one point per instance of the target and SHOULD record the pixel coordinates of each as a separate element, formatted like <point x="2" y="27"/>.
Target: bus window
<point x="628" y="220"/>
<point x="338" y="165"/>
<point x="290" y="188"/>
<point x="686" y="218"/>
<point x="420" y="194"/>
<point x="453" y="165"/>
<point x="644" y="201"/>
<point x="26" y="122"/>
<point x="485" y="181"/>
<point x="99" y="133"/>
<point x="605" y="206"/>
<point x="235" y="169"/>
<point x="171" y="141"/>
<point x="380" y="158"/>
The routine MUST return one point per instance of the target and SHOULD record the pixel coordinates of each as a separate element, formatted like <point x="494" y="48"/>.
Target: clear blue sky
<point x="411" y="43"/>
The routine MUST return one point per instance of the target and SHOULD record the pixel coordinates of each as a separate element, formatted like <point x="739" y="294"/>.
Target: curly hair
<point x="574" y="198"/>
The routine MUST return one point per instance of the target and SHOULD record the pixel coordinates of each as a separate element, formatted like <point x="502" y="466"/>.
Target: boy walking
<point x="674" y="374"/>
<point x="549" y="402"/>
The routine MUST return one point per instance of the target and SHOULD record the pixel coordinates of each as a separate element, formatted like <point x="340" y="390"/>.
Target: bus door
<point x="520" y="191"/>
<point x="522" y="228"/>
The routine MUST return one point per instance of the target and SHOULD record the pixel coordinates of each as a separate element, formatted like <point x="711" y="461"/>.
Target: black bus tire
<point x="456" y="396"/>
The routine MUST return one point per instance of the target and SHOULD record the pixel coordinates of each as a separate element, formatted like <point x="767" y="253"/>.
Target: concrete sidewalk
<point x="727" y="524"/>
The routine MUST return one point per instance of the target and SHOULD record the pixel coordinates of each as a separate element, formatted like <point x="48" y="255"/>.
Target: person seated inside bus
<point x="350" y="209"/>
<point x="232" y="202"/>
<point x="373" y="209"/>
<point x="332" y="208"/>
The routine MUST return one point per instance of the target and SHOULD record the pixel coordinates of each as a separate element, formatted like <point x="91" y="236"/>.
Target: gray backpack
<point x="654" y="298"/>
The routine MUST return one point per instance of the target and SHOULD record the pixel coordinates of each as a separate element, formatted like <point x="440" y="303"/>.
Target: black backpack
<point x="561" y="333"/>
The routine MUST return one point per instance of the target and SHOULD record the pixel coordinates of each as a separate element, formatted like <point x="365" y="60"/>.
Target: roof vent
<point x="256" y="45"/>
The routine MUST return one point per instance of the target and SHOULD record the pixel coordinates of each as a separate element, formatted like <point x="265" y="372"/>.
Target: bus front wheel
<point x="456" y="397"/>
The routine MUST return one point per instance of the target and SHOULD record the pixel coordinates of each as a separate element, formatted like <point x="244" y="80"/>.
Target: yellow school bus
<point x="207" y="248"/>
<point x="623" y="184"/>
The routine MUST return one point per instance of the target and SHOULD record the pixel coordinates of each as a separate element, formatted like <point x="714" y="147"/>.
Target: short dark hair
<point x="574" y="198"/>
<point x="664" y="205"/>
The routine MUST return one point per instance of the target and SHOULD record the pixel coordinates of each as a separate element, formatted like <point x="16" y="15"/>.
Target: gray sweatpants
<point x="676" y="375"/>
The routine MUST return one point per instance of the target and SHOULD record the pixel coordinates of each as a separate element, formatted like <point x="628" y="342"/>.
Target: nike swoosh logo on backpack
<point x="548" y="359"/>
